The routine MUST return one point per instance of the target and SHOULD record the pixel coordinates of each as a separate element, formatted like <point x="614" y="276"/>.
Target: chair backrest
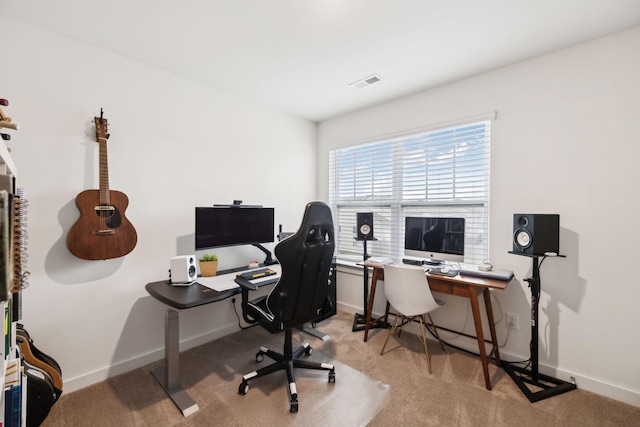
<point x="305" y="258"/>
<point x="407" y="289"/>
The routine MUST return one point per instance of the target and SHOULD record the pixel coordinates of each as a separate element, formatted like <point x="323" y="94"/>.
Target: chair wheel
<point x="259" y="356"/>
<point x="332" y="376"/>
<point x="294" y="407"/>
<point x="244" y="388"/>
<point x="308" y="351"/>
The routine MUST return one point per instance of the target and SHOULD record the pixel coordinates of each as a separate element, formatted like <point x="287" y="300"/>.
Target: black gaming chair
<point x="297" y="298"/>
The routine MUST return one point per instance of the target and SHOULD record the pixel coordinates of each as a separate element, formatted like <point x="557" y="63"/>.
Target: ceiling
<point x="299" y="56"/>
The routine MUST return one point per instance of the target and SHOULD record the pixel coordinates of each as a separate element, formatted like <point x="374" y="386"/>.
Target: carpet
<point x="454" y="395"/>
<point x="211" y="374"/>
<point x="353" y="400"/>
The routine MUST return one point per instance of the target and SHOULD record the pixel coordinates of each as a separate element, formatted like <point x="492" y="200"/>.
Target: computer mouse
<point x="444" y="270"/>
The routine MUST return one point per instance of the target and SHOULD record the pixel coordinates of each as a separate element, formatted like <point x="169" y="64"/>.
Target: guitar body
<point x="101" y="232"/>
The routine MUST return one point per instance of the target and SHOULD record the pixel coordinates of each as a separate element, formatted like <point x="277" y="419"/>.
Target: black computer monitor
<point x="231" y="225"/>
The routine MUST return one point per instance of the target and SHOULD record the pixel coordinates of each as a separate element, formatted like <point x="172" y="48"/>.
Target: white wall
<point x="566" y="141"/>
<point x="174" y="145"/>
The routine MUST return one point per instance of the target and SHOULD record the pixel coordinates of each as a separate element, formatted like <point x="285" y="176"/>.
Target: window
<point x="437" y="172"/>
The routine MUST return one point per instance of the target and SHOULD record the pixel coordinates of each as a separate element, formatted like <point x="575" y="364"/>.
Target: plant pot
<point x="208" y="268"/>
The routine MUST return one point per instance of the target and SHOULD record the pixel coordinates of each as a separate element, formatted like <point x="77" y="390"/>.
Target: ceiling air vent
<point x="367" y="81"/>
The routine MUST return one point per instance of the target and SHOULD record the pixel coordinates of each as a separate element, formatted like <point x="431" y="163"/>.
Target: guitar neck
<point x="101" y="138"/>
<point x="104" y="172"/>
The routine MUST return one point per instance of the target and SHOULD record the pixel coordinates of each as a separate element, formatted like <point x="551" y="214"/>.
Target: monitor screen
<point x="228" y="226"/>
<point x="437" y="239"/>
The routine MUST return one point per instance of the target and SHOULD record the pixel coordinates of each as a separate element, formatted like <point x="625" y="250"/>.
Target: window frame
<point x="361" y="188"/>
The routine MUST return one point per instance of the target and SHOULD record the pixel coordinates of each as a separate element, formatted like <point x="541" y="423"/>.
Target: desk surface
<point x="181" y="297"/>
<point x="460" y="279"/>
<point x="465" y="279"/>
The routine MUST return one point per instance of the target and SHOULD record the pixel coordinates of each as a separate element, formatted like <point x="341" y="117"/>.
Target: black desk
<point x="180" y="298"/>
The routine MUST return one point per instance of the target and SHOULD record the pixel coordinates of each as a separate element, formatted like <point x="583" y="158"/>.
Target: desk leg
<point x="380" y="322"/>
<point x="492" y="326"/>
<point x="475" y="308"/>
<point x="167" y="375"/>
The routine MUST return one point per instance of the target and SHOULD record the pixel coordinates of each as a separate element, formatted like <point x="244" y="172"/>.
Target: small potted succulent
<point x="208" y="265"/>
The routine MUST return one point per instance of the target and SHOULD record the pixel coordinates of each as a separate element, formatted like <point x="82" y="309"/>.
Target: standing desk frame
<point x="464" y="286"/>
<point x="177" y="298"/>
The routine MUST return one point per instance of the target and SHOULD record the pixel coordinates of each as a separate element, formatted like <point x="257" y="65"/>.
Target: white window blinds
<point x="438" y="172"/>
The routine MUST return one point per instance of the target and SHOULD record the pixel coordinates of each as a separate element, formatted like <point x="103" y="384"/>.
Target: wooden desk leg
<point x="372" y="294"/>
<point x="492" y="326"/>
<point x="475" y="308"/>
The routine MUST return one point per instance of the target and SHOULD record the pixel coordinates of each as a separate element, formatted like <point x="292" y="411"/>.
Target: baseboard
<point x="74" y="384"/>
<point x="585" y="383"/>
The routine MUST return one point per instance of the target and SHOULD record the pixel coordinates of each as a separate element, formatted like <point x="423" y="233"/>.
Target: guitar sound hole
<point x="111" y="215"/>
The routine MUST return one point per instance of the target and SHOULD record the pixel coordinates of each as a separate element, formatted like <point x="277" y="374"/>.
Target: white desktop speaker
<point x="183" y="269"/>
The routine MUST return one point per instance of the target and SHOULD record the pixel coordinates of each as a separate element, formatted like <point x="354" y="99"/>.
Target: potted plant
<point x="208" y="265"/>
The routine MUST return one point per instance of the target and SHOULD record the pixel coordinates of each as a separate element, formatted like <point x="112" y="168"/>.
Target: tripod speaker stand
<point x="546" y="386"/>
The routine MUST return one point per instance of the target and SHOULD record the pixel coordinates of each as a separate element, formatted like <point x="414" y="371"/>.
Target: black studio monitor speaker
<point x="365" y="225"/>
<point x="536" y="234"/>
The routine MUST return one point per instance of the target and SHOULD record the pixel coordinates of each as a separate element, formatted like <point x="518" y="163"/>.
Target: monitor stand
<point x="269" y="259"/>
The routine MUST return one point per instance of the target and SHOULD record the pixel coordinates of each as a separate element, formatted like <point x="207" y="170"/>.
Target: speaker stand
<point x="360" y="320"/>
<point x="544" y="386"/>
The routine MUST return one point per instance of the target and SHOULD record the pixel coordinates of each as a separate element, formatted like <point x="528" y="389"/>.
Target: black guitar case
<point x="41" y="395"/>
<point x="38" y="357"/>
<point x="44" y="378"/>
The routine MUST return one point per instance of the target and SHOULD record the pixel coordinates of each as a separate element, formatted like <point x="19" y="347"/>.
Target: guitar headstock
<point x="102" y="128"/>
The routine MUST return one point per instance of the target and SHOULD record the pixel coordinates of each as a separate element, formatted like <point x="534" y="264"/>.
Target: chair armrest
<point x="245" y="284"/>
<point x="245" y="288"/>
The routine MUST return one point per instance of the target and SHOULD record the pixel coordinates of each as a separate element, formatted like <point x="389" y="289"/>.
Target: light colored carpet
<point x="211" y="374"/>
<point x="394" y="389"/>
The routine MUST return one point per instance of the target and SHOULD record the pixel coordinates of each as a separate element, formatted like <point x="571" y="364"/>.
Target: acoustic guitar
<point x="102" y="231"/>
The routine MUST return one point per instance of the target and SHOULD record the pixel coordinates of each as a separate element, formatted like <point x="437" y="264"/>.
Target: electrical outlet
<point x="512" y="321"/>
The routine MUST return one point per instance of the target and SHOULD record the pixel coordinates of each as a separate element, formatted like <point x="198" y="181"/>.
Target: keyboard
<point x="472" y="270"/>
<point x="259" y="277"/>
<point x="257" y="274"/>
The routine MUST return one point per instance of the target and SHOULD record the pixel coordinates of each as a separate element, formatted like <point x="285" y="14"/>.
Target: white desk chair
<point x="407" y="290"/>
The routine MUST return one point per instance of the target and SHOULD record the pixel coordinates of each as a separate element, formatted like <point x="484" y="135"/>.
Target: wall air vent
<point x="367" y="81"/>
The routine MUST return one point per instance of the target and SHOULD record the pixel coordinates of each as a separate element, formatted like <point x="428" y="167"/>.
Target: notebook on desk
<point x="218" y="283"/>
